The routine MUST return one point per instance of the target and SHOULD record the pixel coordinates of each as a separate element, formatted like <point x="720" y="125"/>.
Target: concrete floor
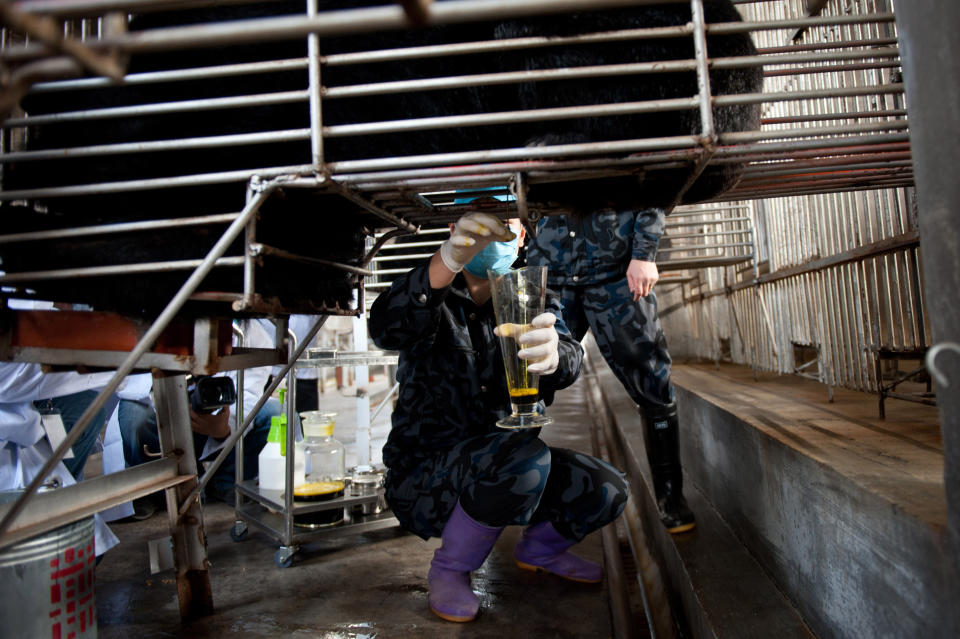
<point x="374" y="584"/>
<point x="366" y="585"/>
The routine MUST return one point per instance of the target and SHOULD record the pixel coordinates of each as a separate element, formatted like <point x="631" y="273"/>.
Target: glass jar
<point x="324" y="467"/>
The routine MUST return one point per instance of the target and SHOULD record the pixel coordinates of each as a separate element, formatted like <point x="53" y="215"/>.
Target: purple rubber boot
<point x="543" y="549"/>
<point x="465" y="545"/>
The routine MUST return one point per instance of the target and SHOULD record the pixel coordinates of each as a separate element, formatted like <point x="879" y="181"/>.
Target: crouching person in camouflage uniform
<point x="603" y="266"/>
<point x="451" y="472"/>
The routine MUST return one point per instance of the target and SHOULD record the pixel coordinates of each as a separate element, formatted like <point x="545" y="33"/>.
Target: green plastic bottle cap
<point x="278" y="432"/>
<point x="274" y="434"/>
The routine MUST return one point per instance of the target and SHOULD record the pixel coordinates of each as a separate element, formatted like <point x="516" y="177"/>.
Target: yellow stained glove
<point x="471" y="233"/>
<point x="540" y="345"/>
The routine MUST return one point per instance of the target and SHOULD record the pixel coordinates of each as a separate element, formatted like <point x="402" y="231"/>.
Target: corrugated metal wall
<point x="839" y="272"/>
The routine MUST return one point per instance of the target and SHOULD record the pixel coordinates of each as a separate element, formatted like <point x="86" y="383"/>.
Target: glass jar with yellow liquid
<point x="324" y="467"/>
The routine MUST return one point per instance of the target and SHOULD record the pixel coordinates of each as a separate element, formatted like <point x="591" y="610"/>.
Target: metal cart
<point x="274" y="511"/>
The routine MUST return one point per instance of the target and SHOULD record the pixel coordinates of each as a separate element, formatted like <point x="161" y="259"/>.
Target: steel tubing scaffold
<point x="772" y="58"/>
<point x="834" y="136"/>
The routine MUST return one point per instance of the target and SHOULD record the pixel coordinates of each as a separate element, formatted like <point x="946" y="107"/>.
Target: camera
<point x="208" y="394"/>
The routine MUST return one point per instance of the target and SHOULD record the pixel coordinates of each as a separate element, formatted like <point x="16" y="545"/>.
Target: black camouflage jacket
<point x="452" y="381"/>
<point x="582" y="250"/>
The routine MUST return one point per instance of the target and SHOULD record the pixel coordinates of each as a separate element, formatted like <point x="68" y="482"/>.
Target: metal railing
<point x="706" y="236"/>
<point x="830" y="140"/>
<point x="834" y="131"/>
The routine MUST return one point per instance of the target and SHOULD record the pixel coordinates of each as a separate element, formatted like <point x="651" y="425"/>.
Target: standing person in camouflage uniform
<point x="587" y="257"/>
<point x="451" y="472"/>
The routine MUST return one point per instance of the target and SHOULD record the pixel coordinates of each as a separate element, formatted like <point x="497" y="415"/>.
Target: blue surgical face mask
<point x="495" y="256"/>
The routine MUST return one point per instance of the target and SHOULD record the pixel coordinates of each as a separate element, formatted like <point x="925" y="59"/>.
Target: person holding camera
<point x="212" y="419"/>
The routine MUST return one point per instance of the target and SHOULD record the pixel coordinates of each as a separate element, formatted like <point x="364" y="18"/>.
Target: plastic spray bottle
<point x="272" y="461"/>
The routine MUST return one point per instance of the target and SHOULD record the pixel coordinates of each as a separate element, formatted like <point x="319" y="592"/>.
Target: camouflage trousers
<point x="509" y="478"/>
<point x="628" y="335"/>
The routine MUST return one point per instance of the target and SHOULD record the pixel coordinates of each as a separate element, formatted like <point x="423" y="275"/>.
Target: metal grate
<point x="825" y="179"/>
<point x="706" y="237"/>
<point x="862" y="143"/>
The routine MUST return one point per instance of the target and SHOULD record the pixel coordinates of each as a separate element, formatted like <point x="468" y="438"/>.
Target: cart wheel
<point x="239" y="530"/>
<point x="284" y="556"/>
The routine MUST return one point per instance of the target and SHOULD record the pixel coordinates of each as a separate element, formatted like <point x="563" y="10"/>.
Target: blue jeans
<point x="141" y="443"/>
<point x="138" y="429"/>
<point x="70" y="408"/>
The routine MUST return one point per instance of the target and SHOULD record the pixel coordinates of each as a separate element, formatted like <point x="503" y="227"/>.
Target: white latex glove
<point x="471" y="233"/>
<point x="540" y="345"/>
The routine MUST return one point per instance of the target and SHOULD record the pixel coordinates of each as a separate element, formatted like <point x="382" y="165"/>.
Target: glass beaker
<point x="324" y="466"/>
<point x="518" y="297"/>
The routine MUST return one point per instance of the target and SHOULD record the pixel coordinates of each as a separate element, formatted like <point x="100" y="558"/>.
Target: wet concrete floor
<point x="350" y="586"/>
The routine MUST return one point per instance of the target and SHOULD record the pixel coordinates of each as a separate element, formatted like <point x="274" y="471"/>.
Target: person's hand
<point x="217" y="425"/>
<point x="641" y="276"/>
<point x="471" y="233"/>
<point x="540" y="345"/>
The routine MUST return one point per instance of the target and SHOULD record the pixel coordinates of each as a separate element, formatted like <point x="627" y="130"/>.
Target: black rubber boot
<point x="662" y="437"/>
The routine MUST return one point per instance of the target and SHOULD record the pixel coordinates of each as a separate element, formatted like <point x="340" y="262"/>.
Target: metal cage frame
<point x="863" y="147"/>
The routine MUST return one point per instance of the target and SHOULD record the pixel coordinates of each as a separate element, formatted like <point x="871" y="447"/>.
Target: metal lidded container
<point x="47" y="582"/>
<point x="366" y="481"/>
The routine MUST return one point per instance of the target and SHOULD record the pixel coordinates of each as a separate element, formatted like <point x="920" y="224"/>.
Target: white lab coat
<point x="300" y="324"/>
<point x="23" y="448"/>
<point x="254" y="380"/>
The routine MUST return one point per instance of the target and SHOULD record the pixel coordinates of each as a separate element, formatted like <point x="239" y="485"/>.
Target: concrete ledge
<point x="715" y="587"/>
<point x="845" y="512"/>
